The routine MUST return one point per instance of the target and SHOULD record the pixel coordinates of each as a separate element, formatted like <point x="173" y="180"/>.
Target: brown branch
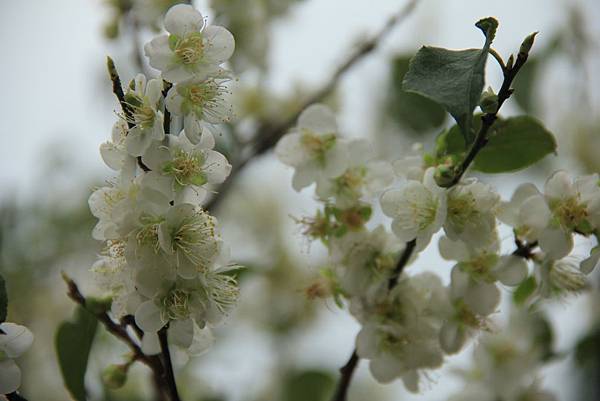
<point x="267" y="134"/>
<point x="166" y="355"/>
<point x="404" y="258"/>
<point x="125" y="107"/>
<point x="487" y="120"/>
<point x="346" y="372"/>
<point x="120" y="332"/>
<point x="14" y="396"/>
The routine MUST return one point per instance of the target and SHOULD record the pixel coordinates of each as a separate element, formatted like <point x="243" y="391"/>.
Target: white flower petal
<point x="592" y="262"/>
<point x="556" y="243"/>
<point x="150" y="344"/>
<point x="390" y="200"/>
<point x="385" y="368"/>
<point x="16" y="340"/>
<point x="559" y="186"/>
<point x="511" y="270"/>
<point x="10" y="376"/>
<point x="290" y="151"/>
<point x="452" y="337"/>
<point x="181" y="332"/>
<point x="149" y="318"/>
<point x="482" y="298"/>
<point x="319" y="119"/>
<point x="217" y="167"/>
<point x="221" y="44"/>
<point x="182" y="19"/>
<point x="534" y="212"/>
<point x="453" y="250"/>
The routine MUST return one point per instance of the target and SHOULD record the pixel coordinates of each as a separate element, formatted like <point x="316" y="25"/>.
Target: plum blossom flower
<point x="473" y="290"/>
<point x="191" y="48"/>
<point x="400" y="334"/>
<point x="14" y="341"/>
<point x="189" y="235"/>
<point x="506" y="362"/>
<point x="366" y="259"/>
<point x="313" y="148"/>
<point x="418" y="209"/>
<point x="567" y="206"/>
<point x="199" y="100"/>
<point x="114" y="152"/>
<point x="363" y="178"/>
<point x="471" y="212"/>
<point x="187" y="168"/>
<point x="146" y="119"/>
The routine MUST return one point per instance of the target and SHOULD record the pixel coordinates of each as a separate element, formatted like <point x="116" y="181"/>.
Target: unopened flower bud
<point x="489" y="101"/>
<point x="98" y="305"/>
<point x="444" y="175"/>
<point x="115" y="376"/>
<point x="527" y="44"/>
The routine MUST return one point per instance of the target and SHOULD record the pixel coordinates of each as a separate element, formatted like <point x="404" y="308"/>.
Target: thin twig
<point x="498" y="58"/>
<point x="488" y="119"/>
<point x="170" y="376"/>
<point x="269" y="133"/>
<point x="346" y="372"/>
<point x="167" y="116"/>
<point x="14" y="396"/>
<point x="118" y="91"/>
<point x="402" y="262"/>
<point x="524" y="250"/>
<point x="120" y="332"/>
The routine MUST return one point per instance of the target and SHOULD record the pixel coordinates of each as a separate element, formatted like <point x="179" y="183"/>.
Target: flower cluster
<point x="506" y="363"/>
<point x="14" y="340"/>
<point x="410" y="323"/>
<point x="163" y="259"/>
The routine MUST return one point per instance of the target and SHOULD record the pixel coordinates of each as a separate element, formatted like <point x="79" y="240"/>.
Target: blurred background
<point x="57" y="107"/>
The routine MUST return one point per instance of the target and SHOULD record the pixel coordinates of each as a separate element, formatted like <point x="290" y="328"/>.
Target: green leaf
<point x="3" y="300"/>
<point x="524" y="290"/>
<point x="313" y="385"/>
<point x="588" y="349"/>
<point x="452" y="78"/>
<point x="411" y="110"/>
<point x="514" y="144"/>
<point x="73" y="342"/>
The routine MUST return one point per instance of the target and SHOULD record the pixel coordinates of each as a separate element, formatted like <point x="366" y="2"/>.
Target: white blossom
<point x="14" y="341"/>
<point x="471" y="212"/>
<point x="191" y="49"/>
<point x="363" y="179"/>
<point x="188" y="168"/>
<point x="365" y="259"/>
<point x="200" y="100"/>
<point x="313" y="148"/>
<point x="506" y="362"/>
<point x="146" y="119"/>
<point x="400" y="334"/>
<point x="567" y="206"/>
<point x="418" y="209"/>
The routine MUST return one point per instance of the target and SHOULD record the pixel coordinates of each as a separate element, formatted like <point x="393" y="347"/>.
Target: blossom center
<point x="190" y="49"/>
<point x="317" y="145"/>
<point x="570" y="213"/>
<point x="186" y="168"/>
<point x="195" y="237"/>
<point x="176" y="304"/>
<point x="461" y="210"/>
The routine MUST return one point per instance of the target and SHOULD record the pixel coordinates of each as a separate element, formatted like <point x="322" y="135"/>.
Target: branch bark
<point x="119" y="331"/>
<point x="269" y="133"/>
